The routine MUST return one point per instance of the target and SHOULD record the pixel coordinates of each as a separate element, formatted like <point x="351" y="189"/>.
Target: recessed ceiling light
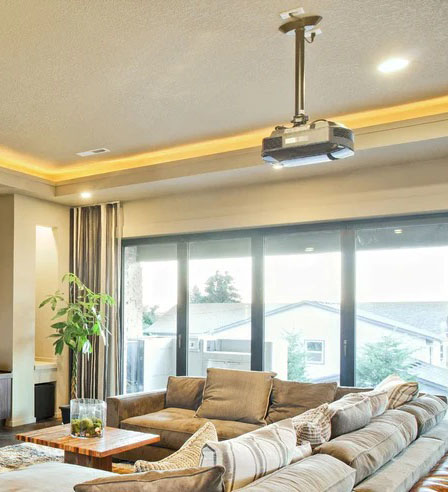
<point x="309" y="250"/>
<point x="398" y="231"/>
<point x="87" y="153"/>
<point x="86" y="194"/>
<point x="393" y="65"/>
<point x="277" y="165"/>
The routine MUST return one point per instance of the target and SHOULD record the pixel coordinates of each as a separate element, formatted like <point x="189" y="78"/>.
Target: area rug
<point x="26" y="454"/>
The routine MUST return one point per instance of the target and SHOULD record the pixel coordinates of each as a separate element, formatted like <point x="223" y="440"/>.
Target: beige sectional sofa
<point x="171" y="413"/>
<point x="389" y="454"/>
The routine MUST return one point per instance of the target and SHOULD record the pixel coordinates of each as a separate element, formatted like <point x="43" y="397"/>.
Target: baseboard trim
<point x="18" y="422"/>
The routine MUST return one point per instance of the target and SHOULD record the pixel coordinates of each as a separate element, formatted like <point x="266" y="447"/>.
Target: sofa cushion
<point x="184" y="392"/>
<point x="314" y="426"/>
<point x="350" y="413"/>
<point x="401" y="472"/>
<point x="291" y="398"/>
<point x="194" y="479"/>
<point x="251" y="456"/>
<point x="240" y="396"/>
<point x="43" y="477"/>
<point x="428" y="410"/>
<point x="369" y="448"/>
<point x="319" y="473"/>
<point x="188" y="456"/>
<point x="176" y="425"/>
<point x="439" y="432"/>
<point x="399" y="391"/>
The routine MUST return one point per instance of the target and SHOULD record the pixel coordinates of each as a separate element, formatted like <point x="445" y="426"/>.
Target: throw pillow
<point x="313" y="426"/>
<point x="399" y="392"/>
<point x="350" y="414"/>
<point x="291" y="398"/>
<point x="253" y="455"/>
<point x="188" y="456"/>
<point x="241" y="396"/>
<point x="184" y="392"/>
<point x="197" y="479"/>
<point x="379" y="400"/>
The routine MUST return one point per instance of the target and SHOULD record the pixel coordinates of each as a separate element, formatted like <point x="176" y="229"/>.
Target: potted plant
<point x="77" y="318"/>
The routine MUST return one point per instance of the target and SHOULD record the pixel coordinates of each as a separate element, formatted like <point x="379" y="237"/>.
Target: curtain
<point x="96" y="260"/>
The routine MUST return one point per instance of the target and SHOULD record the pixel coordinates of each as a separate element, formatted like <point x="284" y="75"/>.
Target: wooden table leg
<point x="88" y="461"/>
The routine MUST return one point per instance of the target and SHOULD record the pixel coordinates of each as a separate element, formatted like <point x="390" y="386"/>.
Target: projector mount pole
<point x="300" y="25"/>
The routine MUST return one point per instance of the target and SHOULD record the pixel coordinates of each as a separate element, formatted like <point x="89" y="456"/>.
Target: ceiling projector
<point x="303" y="143"/>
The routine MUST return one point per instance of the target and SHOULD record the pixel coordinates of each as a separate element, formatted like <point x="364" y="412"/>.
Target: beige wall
<point x="48" y="277"/>
<point x="26" y="214"/>
<point x="6" y="280"/>
<point x="377" y="191"/>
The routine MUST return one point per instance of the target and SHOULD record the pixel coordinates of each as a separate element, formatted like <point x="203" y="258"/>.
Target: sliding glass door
<point x="149" y="315"/>
<point x="302" y="305"/>
<point x="402" y="305"/>
<point x="220" y="305"/>
<point x="349" y="302"/>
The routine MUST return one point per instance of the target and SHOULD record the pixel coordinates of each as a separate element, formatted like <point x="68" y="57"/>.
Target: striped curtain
<point x="96" y="260"/>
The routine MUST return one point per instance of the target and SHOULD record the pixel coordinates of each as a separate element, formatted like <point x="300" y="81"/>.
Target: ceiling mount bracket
<point x="300" y="25"/>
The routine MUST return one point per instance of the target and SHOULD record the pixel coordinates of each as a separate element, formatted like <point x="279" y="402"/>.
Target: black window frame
<point x="346" y="228"/>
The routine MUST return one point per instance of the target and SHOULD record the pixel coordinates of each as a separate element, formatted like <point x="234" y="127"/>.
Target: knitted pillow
<point x="314" y="426"/>
<point x="188" y="456"/>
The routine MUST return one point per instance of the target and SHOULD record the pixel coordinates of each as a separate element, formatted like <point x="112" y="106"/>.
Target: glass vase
<point x="87" y="417"/>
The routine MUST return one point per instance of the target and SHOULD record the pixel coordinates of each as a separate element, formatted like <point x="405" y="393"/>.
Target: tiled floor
<point x="8" y="434"/>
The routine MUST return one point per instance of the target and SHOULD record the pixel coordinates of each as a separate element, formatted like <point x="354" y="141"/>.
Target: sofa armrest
<point x="125" y="406"/>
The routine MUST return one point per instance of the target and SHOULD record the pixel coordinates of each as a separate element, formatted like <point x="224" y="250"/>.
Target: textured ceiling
<point x="136" y="75"/>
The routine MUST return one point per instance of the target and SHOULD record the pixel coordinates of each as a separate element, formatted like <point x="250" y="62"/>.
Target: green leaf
<point x="59" y="347"/>
<point x="60" y="312"/>
<point x="45" y="302"/>
<point x="60" y="325"/>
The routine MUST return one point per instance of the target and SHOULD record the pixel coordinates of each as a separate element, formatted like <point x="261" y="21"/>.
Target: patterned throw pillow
<point x="399" y="392"/>
<point x="255" y="454"/>
<point x="314" y="426"/>
<point x="188" y="456"/>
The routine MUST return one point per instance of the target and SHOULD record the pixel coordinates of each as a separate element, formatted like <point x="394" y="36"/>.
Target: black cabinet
<point x="44" y="400"/>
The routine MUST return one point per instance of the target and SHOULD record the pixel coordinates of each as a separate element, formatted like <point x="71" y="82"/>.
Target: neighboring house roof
<point x="428" y="316"/>
<point x="213" y="318"/>
<point x="208" y="317"/>
<point x="430" y="375"/>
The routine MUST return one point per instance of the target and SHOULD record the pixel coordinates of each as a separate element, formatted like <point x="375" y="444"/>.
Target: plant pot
<point x="65" y="411"/>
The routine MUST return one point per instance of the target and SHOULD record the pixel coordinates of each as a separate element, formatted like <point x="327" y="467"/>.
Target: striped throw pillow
<point x="188" y="456"/>
<point x="314" y="426"/>
<point x="255" y="454"/>
<point x="399" y="392"/>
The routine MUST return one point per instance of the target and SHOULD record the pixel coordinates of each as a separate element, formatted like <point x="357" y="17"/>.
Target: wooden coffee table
<point x="95" y="452"/>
